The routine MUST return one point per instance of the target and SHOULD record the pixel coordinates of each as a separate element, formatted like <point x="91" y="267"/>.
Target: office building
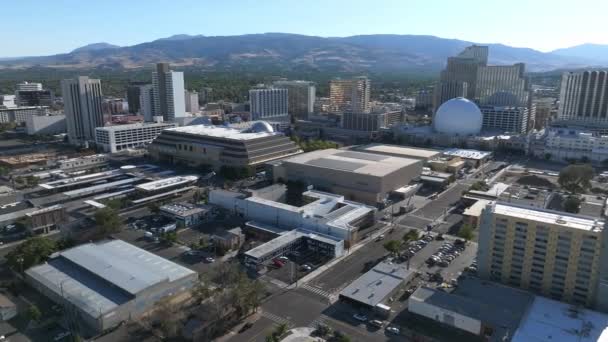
<point x="350" y="95"/>
<point x="114" y="139"/>
<point x="502" y="85"/>
<point x="133" y="94"/>
<point x="371" y="122"/>
<point x="146" y="102"/>
<point x="104" y="284"/>
<point x="191" y="98"/>
<point x="469" y="75"/>
<point x="32" y="94"/>
<point x="546" y="111"/>
<point x="364" y="177"/>
<point x="204" y="95"/>
<point x="505" y="119"/>
<point x="218" y="146"/>
<point x="584" y="98"/>
<point x="168" y="91"/>
<point x="82" y="100"/>
<point x="269" y="103"/>
<point x="301" y="97"/>
<point x="113" y="106"/>
<point x="46" y="124"/>
<point x="319" y="212"/>
<point x="556" y="254"/>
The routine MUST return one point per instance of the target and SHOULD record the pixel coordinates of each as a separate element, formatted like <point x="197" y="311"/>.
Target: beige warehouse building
<point x="556" y="254"/>
<point x="358" y="176"/>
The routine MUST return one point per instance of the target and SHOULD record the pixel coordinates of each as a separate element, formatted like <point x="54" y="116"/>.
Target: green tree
<point x="466" y="232"/>
<point x="107" y="222"/>
<point x="572" y="204"/>
<point x="32" y="180"/>
<point x="411" y="235"/>
<point x="169" y="238"/>
<point x="479" y="186"/>
<point x="33" y="313"/>
<point x="576" y="177"/>
<point x="392" y="246"/>
<point x="31" y="252"/>
<point x="548" y="156"/>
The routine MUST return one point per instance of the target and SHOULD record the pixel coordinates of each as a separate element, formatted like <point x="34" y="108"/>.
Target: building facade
<point x="584" y="97"/>
<point x="469" y="75"/>
<point x="556" y="254"/>
<point x="350" y="95"/>
<point x="505" y="119"/>
<point x="133" y="94"/>
<point x="269" y="103"/>
<point x="114" y="139"/>
<point x="45" y="124"/>
<point x="82" y="99"/>
<point x="370" y="122"/>
<point x="32" y="94"/>
<point x="301" y="97"/>
<point x="20" y="115"/>
<point x="191" y="98"/>
<point x="217" y="146"/>
<point x="168" y="91"/>
<point x="146" y="102"/>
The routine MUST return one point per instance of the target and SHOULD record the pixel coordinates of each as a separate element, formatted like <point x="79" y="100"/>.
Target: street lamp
<point x="20" y="261"/>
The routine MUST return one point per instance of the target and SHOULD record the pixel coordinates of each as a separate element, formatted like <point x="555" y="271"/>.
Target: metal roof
<point x="399" y="151"/>
<point x="75" y="274"/>
<point x="373" y="287"/>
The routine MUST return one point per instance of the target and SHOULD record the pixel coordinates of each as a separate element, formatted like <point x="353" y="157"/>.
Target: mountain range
<point x="292" y="52"/>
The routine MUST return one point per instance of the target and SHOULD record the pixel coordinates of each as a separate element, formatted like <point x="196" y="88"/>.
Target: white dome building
<point x="458" y="116"/>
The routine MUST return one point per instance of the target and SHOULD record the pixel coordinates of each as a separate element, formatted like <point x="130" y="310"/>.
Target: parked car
<point x="278" y="263"/>
<point x="393" y="330"/>
<point x="209" y="259"/>
<point x="360" y="317"/>
<point x="283" y="258"/>
<point x="62" y="335"/>
<point x="376" y="323"/>
<point x="380" y="237"/>
<point x="307" y="267"/>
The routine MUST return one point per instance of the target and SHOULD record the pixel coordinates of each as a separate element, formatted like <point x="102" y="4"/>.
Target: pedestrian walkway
<point x="316" y="290"/>
<point x="277" y="319"/>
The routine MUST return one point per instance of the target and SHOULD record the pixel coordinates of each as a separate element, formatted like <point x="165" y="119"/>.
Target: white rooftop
<point x="476" y="208"/>
<point x="550" y="217"/>
<point x="135" y="125"/>
<point x="467" y="154"/>
<point x="399" y="151"/>
<point x="352" y="161"/>
<point x="220" y="132"/>
<point x="166" y="183"/>
<point x="550" y="321"/>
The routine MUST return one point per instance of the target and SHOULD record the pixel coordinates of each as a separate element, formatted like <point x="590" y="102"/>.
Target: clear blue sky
<point x="40" y="27"/>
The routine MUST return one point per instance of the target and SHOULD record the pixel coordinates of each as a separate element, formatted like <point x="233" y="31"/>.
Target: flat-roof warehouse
<point x="109" y="282"/>
<point x="364" y="177"/>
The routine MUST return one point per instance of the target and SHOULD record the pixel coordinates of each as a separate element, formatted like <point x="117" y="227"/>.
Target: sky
<point x="39" y="27"/>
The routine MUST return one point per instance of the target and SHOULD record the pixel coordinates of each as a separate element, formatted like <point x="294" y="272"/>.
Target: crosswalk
<point x="321" y="320"/>
<point x="277" y="319"/>
<point x="317" y="291"/>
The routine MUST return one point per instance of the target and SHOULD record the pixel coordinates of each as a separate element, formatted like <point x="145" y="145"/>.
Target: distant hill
<point x="95" y="47"/>
<point x="595" y="52"/>
<point x="292" y="52"/>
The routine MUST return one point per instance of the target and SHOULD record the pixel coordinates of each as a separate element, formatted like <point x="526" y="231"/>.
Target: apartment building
<point x="558" y="255"/>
